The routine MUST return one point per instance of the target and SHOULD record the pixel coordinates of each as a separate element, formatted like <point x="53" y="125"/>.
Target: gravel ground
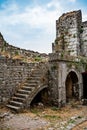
<point x="50" y="118"/>
<point x="22" y="122"/>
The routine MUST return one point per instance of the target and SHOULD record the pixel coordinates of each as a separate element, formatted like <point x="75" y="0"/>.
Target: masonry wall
<point x="12" y="74"/>
<point x="67" y="33"/>
<point x="71" y="35"/>
<point x="53" y="83"/>
<point x="84" y="38"/>
<point x="59" y="70"/>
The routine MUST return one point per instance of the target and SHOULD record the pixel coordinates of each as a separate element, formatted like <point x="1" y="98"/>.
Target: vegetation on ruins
<point x="10" y="51"/>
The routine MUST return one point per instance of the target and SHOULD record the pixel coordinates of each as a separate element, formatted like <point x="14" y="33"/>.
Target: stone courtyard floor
<point x="71" y="117"/>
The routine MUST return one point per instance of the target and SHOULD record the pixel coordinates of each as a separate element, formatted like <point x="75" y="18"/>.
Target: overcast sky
<point x="30" y="24"/>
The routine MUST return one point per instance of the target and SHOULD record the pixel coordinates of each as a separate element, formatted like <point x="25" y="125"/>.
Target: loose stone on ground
<point x="66" y="118"/>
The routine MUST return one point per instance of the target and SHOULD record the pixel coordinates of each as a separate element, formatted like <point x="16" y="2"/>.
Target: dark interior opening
<point x="72" y="88"/>
<point x="84" y="76"/>
<point x="41" y="97"/>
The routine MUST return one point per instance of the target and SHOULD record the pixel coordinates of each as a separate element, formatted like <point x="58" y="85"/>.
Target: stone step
<point x="21" y="91"/>
<point x="18" y="99"/>
<point x="21" y="95"/>
<point x="30" y="84"/>
<point x="16" y="103"/>
<point x="35" y="77"/>
<point x="32" y="81"/>
<point x="28" y="88"/>
<point x="13" y="107"/>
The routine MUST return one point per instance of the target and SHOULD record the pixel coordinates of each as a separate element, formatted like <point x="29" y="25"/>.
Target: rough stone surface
<point x="12" y="74"/>
<point x="67" y="62"/>
<point x="71" y="34"/>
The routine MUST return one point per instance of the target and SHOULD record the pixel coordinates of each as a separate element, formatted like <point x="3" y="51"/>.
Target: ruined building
<point x="71" y="34"/>
<point x="58" y="81"/>
<point x="68" y="61"/>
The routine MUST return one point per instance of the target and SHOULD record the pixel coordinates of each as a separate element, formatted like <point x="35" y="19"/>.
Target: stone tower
<point x="68" y="61"/>
<point x="71" y="34"/>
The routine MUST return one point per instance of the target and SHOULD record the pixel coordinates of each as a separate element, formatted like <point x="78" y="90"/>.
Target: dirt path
<point x="44" y="119"/>
<point x="23" y="122"/>
<point x="81" y="126"/>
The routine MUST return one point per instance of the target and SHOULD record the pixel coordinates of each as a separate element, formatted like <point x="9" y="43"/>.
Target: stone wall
<point x="12" y="74"/>
<point x="84" y="38"/>
<point x="53" y="82"/>
<point x="67" y="33"/>
<point x="16" y="65"/>
<point x="59" y="70"/>
<point x="18" y="53"/>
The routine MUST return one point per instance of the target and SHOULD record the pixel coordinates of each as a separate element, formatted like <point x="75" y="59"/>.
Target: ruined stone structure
<point x="71" y="34"/>
<point x="68" y="61"/>
<point x="20" y="82"/>
<point x="18" y="53"/>
<point x="56" y="82"/>
<point x="23" y="76"/>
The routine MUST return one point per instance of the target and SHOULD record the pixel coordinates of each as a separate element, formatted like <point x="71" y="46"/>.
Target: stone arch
<point x="72" y="85"/>
<point x="37" y="94"/>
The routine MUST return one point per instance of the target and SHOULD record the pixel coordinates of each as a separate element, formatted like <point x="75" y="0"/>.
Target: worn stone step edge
<point x="13" y="107"/>
<point x="16" y="102"/>
<point x="22" y="91"/>
<point x="28" y="88"/>
<point x="18" y="99"/>
<point x="21" y="95"/>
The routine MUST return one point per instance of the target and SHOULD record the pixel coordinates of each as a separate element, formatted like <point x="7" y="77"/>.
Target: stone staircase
<point x="30" y="88"/>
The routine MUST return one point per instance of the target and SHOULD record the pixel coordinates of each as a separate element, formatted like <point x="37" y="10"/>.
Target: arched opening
<point x="41" y="97"/>
<point x="84" y="76"/>
<point x="72" y="87"/>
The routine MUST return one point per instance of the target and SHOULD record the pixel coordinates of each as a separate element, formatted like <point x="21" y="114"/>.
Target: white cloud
<point x="35" y="17"/>
<point x="16" y="24"/>
<point x="11" y="24"/>
<point x="54" y="3"/>
<point x="85" y="17"/>
<point x="72" y="0"/>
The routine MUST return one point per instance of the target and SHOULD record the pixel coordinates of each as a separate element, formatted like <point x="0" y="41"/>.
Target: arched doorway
<point x="72" y="87"/>
<point x="41" y="97"/>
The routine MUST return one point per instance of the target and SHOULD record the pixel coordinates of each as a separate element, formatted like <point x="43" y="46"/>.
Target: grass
<point x="55" y="108"/>
<point x="51" y="117"/>
<point x="71" y="121"/>
<point x="36" y="110"/>
<point x="38" y="58"/>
